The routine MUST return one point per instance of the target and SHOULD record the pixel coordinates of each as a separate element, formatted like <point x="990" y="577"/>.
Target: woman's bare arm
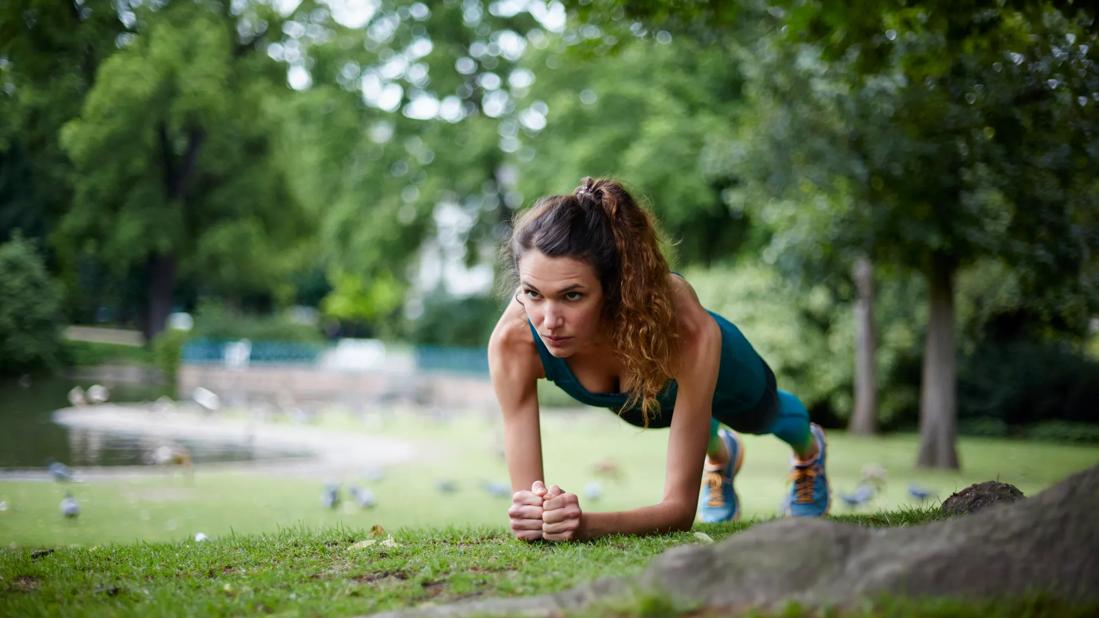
<point x="515" y="369"/>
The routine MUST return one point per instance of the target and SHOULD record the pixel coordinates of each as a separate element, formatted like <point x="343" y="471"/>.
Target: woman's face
<point x="563" y="299"/>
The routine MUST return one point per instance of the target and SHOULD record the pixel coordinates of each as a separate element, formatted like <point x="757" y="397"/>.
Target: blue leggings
<point x="791" y="424"/>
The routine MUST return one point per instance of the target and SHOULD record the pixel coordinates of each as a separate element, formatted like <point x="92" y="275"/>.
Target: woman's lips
<point x="556" y="340"/>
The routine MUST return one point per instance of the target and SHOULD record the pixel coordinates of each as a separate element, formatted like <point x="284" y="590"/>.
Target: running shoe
<point x="810" y="495"/>
<point x="718" y="501"/>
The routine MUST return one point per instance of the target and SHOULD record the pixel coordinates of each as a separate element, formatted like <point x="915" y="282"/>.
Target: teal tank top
<point x="743" y="398"/>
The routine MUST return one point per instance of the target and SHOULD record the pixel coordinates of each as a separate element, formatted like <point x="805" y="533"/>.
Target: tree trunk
<point x="938" y="413"/>
<point x="162" y="282"/>
<point x="864" y="419"/>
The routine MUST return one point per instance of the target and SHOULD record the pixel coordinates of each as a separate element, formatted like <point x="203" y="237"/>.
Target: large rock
<point x="1049" y="543"/>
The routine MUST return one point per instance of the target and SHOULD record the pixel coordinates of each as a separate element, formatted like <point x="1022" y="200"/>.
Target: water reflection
<point x="92" y="447"/>
<point x="30" y="439"/>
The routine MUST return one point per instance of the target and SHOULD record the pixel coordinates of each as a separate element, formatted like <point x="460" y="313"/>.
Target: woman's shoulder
<point x="512" y="344"/>
<point x="696" y="325"/>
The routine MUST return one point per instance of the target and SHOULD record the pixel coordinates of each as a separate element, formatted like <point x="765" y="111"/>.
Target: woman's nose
<point x="553" y="317"/>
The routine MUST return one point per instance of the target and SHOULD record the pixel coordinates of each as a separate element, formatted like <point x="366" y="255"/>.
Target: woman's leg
<point x="810" y="495"/>
<point x="792" y="426"/>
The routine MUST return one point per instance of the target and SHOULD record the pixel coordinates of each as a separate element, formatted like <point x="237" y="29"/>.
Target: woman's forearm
<point x="662" y="517"/>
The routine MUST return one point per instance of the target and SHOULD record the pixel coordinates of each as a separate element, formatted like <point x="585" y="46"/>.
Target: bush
<point x="1064" y="431"/>
<point x="217" y="322"/>
<point x="455" y="321"/>
<point x="30" y="310"/>
<point x="1024" y="382"/>
<point x="168" y="354"/>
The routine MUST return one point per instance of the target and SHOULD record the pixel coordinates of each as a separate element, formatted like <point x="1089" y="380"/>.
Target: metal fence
<point x="238" y="354"/>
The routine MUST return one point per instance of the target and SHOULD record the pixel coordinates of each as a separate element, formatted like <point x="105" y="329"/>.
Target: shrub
<point x="1024" y="382"/>
<point x="168" y="354"/>
<point x="30" y="303"/>
<point x="217" y="322"/>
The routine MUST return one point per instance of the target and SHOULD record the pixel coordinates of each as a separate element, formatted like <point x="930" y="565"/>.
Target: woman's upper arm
<point x="515" y="368"/>
<point x="696" y="374"/>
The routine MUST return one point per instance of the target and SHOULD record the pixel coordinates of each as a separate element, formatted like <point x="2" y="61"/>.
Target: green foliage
<point x="218" y="322"/>
<point x="29" y="310"/>
<point x="805" y="333"/>
<point x="1022" y="382"/>
<point x="449" y="320"/>
<point x="176" y="159"/>
<point x="168" y="354"/>
<point x="645" y="116"/>
<point x="91" y="353"/>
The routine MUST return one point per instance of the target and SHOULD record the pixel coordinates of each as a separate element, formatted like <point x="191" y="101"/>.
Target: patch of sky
<point x="394" y="67"/>
<point x="450" y="109"/>
<point x="352" y="13"/>
<point x="417" y="75"/>
<point x="292" y="51"/>
<point x="495" y="103"/>
<point x="507" y="8"/>
<point x="465" y="65"/>
<point x="532" y="119"/>
<point x="298" y="77"/>
<point x="419" y="48"/>
<point x="472" y="12"/>
<point x="293" y="29"/>
<point x="284" y="7"/>
<point x="520" y="79"/>
<point x="382" y="29"/>
<point x="489" y="81"/>
<point x="381" y="132"/>
<point x="510" y="44"/>
<point x="419" y="11"/>
<point x="551" y="15"/>
<point x="423" y="106"/>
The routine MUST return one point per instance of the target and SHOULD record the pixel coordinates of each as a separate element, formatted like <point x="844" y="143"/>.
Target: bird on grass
<point x="593" y="490"/>
<point x="363" y="497"/>
<point x="70" y="508"/>
<point x="60" y="472"/>
<point x="496" y="489"/>
<point x="446" y="486"/>
<point x="331" y="496"/>
<point x="859" y="497"/>
<point x="97" y="393"/>
<point x="76" y="397"/>
<point x="920" y="493"/>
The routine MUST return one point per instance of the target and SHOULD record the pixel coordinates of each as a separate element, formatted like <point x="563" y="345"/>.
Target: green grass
<point x="165" y="506"/>
<point x="274" y="549"/>
<point x="344" y="571"/>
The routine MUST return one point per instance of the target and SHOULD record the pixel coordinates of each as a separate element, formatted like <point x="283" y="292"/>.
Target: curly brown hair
<point x="600" y="223"/>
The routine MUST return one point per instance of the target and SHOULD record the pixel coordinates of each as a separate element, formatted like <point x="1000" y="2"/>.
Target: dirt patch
<point x="981" y="496"/>
<point x="25" y="583"/>
<point x="381" y="577"/>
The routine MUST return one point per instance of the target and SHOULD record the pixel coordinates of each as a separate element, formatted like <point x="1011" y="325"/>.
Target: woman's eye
<point x="573" y="296"/>
<point x="531" y="294"/>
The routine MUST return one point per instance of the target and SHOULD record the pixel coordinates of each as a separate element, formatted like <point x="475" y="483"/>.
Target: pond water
<point x="30" y="439"/>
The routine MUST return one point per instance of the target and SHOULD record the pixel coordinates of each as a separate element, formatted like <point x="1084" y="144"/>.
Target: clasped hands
<point x="544" y="513"/>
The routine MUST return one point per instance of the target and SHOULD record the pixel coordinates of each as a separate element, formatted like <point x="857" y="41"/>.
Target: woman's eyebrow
<point x="565" y="290"/>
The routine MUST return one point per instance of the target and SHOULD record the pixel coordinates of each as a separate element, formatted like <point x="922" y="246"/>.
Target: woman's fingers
<point x="526" y="497"/>
<point x="559" y="502"/>
<point x="563" y="514"/>
<point x="525" y="511"/>
<point x="538" y="488"/>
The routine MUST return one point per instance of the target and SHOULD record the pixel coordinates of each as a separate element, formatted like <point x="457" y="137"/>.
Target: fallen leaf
<point x="705" y="538"/>
<point x="361" y="544"/>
